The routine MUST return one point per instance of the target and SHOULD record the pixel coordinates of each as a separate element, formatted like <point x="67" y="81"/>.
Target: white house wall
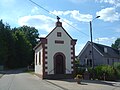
<point x="53" y="48"/>
<point x="38" y="67"/>
<point x="111" y="62"/>
<point x="98" y="59"/>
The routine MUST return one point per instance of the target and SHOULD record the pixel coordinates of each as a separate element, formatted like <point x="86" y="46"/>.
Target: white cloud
<point x="38" y="21"/>
<point x="109" y="14"/>
<point x="42" y="35"/>
<point x="65" y="23"/>
<point x="35" y="10"/>
<point x="42" y="22"/>
<point x="105" y="40"/>
<point x="114" y="2"/>
<point x="75" y="14"/>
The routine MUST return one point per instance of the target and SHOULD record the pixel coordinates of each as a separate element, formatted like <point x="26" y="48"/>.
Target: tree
<point x="31" y="34"/>
<point x="6" y="44"/>
<point x="16" y="45"/>
<point x="23" y="49"/>
<point x="116" y="45"/>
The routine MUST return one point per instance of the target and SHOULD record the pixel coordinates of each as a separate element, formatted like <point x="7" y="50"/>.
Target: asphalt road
<point x="17" y="80"/>
<point x="24" y="81"/>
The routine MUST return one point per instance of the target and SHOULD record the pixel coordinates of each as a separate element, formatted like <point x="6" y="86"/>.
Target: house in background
<point x="103" y="55"/>
<point x="55" y="54"/>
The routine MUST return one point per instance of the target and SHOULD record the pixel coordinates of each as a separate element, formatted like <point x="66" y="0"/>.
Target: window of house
<point x="36" y="59"/>
<point x="87" y="62"/>
<point x="90" y="52"/>
<point x="39" y="58"/>
<point x="108" y="61"/>
<point x="59" y="34"/>
<point x="90" y="62"/>
<point x="84" y="62"/>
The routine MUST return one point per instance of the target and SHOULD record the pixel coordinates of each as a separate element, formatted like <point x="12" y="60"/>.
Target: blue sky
<point x="77" y="13"/>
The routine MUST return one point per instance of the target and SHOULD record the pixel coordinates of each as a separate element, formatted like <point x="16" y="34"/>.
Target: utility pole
<point x="92" y="52"/>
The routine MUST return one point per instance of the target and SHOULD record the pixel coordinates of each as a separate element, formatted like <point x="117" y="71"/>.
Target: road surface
<point x="24" y="81"/>
<point x="17" y="80"/>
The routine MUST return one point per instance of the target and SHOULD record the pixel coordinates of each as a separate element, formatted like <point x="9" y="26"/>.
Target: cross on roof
<point x="58" y="18"/>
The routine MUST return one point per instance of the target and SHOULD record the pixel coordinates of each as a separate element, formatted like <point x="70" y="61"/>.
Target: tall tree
<point x="23" y="49"/>
<point x="116" y="45"/>
<point x="6" y="43"/>
<point x="16" y="45"/>
<point x="31" y="34"/>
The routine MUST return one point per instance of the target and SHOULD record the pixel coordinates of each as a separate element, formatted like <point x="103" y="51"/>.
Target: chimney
<point x="58" y="23"/>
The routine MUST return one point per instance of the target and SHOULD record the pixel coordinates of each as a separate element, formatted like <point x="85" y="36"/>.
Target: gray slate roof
<point x="111" y="52"/>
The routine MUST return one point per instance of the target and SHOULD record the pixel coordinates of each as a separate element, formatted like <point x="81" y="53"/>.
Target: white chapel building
<point x="55" y="54"/>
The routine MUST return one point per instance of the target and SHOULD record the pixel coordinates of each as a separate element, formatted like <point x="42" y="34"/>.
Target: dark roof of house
<point x="111" y="52"/>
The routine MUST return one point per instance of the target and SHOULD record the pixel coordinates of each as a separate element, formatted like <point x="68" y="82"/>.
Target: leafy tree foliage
<point x="16" y="45"/>
<point x="31" y="34"/>
<point x="116" y="45"/>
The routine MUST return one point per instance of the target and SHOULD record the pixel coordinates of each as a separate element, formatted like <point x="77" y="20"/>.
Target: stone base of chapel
<point x="58" y="76"/>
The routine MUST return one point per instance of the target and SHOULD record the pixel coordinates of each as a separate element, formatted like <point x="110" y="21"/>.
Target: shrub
<point x="105" y="72"/>
<point x="80" y="70"/>
<point x="117" y="70"/>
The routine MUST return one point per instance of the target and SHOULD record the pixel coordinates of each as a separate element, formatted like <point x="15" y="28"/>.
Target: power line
<point x="75" y="28"/>
<point x="39" y="6"/>
<point x="56" y="16"/>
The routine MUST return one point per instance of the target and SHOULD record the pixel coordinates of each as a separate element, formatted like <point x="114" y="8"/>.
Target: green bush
<point x="80" y="70"/>
<point x="105" y="72"/>
<point x="117" y="69"/>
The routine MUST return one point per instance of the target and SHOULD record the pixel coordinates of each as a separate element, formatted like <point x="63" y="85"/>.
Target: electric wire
<point x="60" y="17"/>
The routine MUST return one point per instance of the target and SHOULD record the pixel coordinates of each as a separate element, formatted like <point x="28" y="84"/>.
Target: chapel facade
<point x="55" y="54"/>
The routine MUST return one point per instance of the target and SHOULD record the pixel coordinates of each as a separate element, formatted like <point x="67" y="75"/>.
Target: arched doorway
<point x="59" y="63"/>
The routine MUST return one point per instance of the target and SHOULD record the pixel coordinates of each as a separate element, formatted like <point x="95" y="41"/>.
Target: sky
<point x="75" y="17"/>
